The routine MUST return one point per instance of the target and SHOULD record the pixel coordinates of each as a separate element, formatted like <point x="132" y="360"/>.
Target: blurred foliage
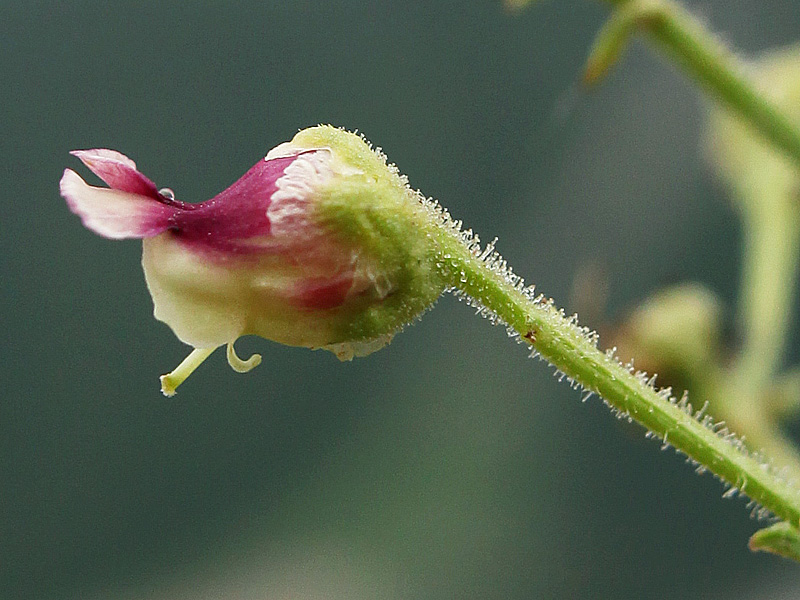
<point x="678" y="331"/>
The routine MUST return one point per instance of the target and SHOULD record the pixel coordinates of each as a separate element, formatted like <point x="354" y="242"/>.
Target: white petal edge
<point x="104" y="154"/>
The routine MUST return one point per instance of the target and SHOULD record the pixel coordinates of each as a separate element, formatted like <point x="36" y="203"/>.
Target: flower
<point x="320" y="244"/>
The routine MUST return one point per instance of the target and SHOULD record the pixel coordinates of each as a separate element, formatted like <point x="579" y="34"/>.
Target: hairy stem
<point x="710" y="63"/>
<point x="573" y="351"/>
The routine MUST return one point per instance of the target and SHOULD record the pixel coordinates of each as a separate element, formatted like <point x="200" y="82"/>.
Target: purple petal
<point x="236" y="220"/>
<point x="118" y="171"/>
<point x="114" y="213"/>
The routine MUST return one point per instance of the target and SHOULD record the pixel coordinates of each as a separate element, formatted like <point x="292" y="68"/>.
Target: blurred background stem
<point x="704" y="57"/>
<point x="770" y="262"/>
<point x="771" y="238"/>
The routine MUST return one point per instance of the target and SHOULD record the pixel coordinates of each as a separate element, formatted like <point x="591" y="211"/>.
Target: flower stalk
<point x="574" y="352"/>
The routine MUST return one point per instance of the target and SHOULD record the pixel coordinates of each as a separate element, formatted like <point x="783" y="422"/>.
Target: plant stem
<point x="770" y="271"/>
<point x="769" y="277"/>
<point x="764" y="187"/>
<point x="574" y="352"/>
<point x="709" y="62"/>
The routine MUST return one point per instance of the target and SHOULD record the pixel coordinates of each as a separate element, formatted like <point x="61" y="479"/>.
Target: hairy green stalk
<point x="484" y="277"/>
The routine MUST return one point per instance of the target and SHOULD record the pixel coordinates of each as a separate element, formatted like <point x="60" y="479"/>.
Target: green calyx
<point x="374" y="211"/>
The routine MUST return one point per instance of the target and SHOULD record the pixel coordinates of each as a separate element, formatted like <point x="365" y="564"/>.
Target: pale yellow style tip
<point x="171" y="381"/>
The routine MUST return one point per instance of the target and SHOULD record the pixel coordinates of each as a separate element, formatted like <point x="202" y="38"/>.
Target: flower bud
<point x="676" y="332"/>
<point x="320" y="244"/>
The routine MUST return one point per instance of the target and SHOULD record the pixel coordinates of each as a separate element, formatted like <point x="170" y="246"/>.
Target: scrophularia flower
<point x="320" y="244"/>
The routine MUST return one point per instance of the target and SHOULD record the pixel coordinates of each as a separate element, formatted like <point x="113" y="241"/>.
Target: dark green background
<point x="446" y="466"/>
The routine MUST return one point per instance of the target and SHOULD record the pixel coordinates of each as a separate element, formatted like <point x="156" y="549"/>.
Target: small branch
<point x="613" y="38"/>
<point x="780" y="539"/>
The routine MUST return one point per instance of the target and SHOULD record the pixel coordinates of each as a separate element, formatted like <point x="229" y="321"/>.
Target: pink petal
<point x="114" y="213"/>
<point x="118" y="171"/>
